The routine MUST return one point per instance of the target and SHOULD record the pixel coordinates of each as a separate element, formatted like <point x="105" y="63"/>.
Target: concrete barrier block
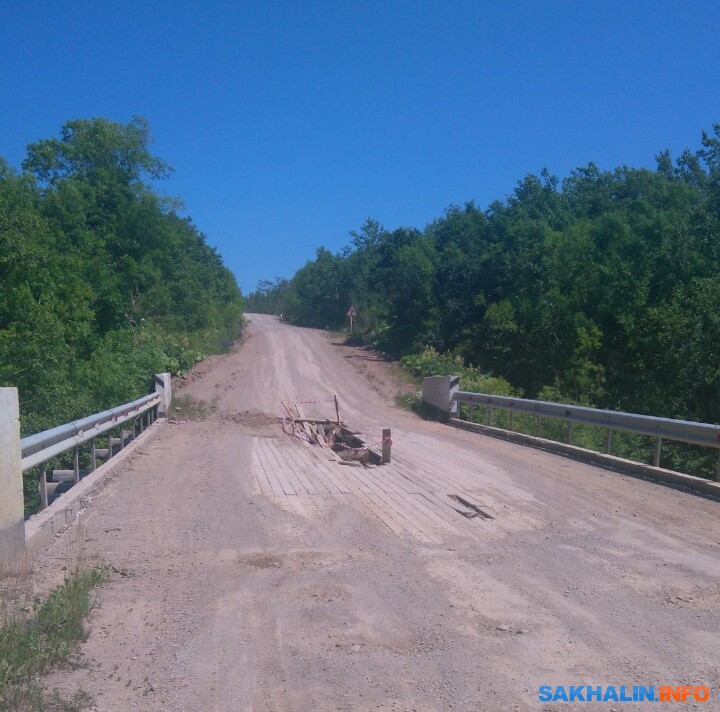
<point x="12" y="520"/>
<point x="439" y="396"/>
<point x="163" y="386"/>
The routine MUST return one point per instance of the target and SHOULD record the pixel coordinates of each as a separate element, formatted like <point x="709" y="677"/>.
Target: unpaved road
<point x="253" y="573"/>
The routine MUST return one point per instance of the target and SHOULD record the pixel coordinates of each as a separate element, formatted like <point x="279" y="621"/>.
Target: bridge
<point x="255" y="571"/>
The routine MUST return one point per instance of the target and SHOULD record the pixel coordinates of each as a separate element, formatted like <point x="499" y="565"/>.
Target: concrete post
<point x="163" y="386"/>
<point x="439" y="396"/>
<point x="12" y="518"/>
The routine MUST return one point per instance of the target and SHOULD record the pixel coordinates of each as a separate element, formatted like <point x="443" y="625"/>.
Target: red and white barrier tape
<point x="321" y="400"/>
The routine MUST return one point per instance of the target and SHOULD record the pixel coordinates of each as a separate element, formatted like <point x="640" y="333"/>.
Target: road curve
<point x="255" y="573"/>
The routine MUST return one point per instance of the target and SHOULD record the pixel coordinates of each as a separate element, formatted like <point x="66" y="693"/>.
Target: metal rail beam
<point x="684" y="431"/>
<point x="41" y="447"/>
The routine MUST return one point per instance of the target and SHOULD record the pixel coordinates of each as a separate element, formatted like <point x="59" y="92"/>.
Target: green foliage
<point x="410" y="401"/>
<point x="102" y="283"/>
<point x="429" y="362"/>
<point x="48" y="638"/>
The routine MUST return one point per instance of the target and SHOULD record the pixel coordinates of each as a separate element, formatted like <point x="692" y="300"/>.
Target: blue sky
<point x="290" y="123"/>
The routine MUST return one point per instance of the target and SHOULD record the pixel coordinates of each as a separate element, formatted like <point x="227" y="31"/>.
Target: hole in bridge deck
<point x="469" y="510"/>
<point x="339" y="438"/>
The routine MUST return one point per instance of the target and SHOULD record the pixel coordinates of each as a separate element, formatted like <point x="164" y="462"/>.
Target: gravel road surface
<point x="254" y="572"/>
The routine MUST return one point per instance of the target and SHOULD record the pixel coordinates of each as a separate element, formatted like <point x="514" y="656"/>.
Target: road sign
<point x="351" y="314"/>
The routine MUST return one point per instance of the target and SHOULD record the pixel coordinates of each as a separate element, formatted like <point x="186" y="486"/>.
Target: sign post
<point x="351" y="313"/>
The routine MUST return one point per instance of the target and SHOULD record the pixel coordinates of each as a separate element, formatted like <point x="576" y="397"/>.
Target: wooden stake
<point x="386" y="445"/>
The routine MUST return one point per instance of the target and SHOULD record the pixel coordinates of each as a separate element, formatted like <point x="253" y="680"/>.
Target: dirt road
<point x="253" y="573"/>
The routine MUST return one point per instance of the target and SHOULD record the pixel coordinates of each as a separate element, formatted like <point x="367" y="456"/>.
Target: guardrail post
<point x="570" y="432"/>
<point x="608" y="441"/>
<point x="656" y="456"/>
<point x="42" y="487"/>
<point x="163" y="386"/>
<point x="76" y="465"/>
<point x="537" y="426"/>
<point x="12" y="520"/>
<point x="717" y="470"/>
<point x="93" y="456"/>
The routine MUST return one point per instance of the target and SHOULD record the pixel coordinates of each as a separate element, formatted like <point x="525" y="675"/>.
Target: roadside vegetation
<point x="34" y="642"/>
<point x="102" y="282"/>
<point x="600" y="290"/>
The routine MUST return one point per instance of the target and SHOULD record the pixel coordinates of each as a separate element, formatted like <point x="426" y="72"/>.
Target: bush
<point x="430" y="362"/>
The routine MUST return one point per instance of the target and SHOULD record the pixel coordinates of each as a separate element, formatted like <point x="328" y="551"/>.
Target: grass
<point x="410" y="401"/>
<point x="187" y="408"/>
<point x="47" y="636"/>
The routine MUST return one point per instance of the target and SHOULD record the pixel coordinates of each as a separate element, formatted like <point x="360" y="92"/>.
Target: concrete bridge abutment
<point x="12" y="516"/>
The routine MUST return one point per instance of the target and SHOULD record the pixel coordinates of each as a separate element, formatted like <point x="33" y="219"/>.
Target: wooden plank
<point x="254" y="483"/>
<point x="392" y="508"/>
<point x="278" y="469"/>
<point x="402" y="519"/>
<point x="372" y="508"/>
<point x="314" y="461"/>
<point x="269" y="470"/>
<point x="259" y="469"/>
<point x="305" y="485"/>
<point x="389" y="518"/>
<point x="298" y="505"/>
<point x="414" y="499"/>
<point x="464" y="464"/>
<point x="445" y="508"/>
<point x="310" y="466"/>
<point x="274" y="450"/>
<point x="429" y="510"/>
<point x="419" y="516"/>
<point x="325" y="470"/>
<point x="442" y="501"/>
<point x="449" y="484"/>
<point x="420" y="474"/>
<point x="274" y="471"/>
<point x="310" y="505"/>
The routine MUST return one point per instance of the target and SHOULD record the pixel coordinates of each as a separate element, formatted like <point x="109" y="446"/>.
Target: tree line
<point x="102" y="282"/>
<point x="602" y="289"/>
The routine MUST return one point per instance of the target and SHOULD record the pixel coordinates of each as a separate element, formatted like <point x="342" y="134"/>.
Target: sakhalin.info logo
<point x="623" y="693"/>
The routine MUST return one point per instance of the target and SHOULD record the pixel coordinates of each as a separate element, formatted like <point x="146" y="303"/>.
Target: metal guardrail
<point x="37" y="449"/>
<point x="683" y="431"/>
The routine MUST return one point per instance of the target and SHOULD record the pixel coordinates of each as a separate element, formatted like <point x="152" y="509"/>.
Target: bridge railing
<point x="36" y="451"/>
<point x="442" y="395"/>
